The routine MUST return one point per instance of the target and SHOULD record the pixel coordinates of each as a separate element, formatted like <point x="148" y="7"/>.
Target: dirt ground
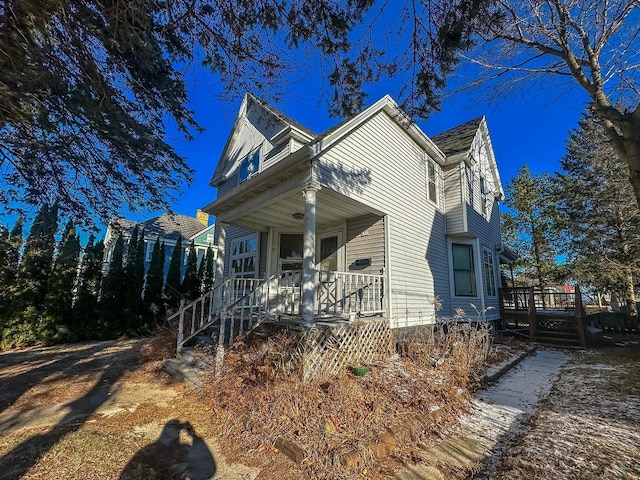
<point x="103" y="410"/>
<point x="108" y="410"/>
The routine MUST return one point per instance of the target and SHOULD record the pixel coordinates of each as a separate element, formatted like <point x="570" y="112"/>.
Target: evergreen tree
<point x="172" y="287"/>
<point x="59" y="300"/>
<point x="529" y="227"/>
<point x="33" y="276"/>
<point x="112" y="296"/>
<point x="134" y="273"/>
<point x="601" y="225"/>
<point x="10" y="244"/>
<point x="153" y="286"/>
<point x="191" y="283"/>
<point x="5" y="273"/>
<point x="15" y="243"/>
<point x="85" y="307"/>
<point x="207" y="276"/>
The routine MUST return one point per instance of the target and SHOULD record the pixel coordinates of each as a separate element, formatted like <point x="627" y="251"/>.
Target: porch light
<point x="298" y="215"/>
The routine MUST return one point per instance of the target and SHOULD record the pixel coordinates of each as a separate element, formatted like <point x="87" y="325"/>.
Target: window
<point x="210" y="239"/>
<point x="485" y="196"/>
<point x="249" y="166"/>
<point x="244" y="257"/>
<point x="291" y="248"/>
<point x="489" y="274"/>
<point x="148" y="245"/>
<point x="468" y="171"/>
<point x="432" y="181"/>
<point x="464" y="277"/>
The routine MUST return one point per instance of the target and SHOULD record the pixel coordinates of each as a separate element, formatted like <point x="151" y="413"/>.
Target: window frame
<point x="244" y="255"/>
<point x="489" y="270"/>
<point x="473" y="280"/>
<point x="253" y="157"/>
<point x="433" y="183"/>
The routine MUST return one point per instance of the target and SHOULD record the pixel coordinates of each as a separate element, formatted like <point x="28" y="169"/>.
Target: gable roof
<point x="285" y="121"/>
<point x="458" y="139"/>
<point x="391" y="108"/>
<point x="277" y="113"/>
<point x="167" y="226"/>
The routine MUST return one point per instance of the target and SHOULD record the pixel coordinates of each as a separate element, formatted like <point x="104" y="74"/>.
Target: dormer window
<point x="249" y="166"/>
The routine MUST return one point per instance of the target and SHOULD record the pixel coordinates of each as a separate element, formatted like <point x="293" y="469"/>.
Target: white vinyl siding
<point x="455" y="207"/>
<point x="365" y="241"/>
<point x="382" y="167"/>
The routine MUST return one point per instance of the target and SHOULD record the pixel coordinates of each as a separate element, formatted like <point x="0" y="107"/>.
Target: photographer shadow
<point x="169" y="457"/>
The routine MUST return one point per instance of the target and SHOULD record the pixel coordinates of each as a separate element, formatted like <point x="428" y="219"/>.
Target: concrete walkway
<point x="497" y="416"/>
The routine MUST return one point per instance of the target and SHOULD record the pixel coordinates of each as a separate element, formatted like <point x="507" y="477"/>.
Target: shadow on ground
<point x="170" y="457"/>
<point x="99" y="359"/>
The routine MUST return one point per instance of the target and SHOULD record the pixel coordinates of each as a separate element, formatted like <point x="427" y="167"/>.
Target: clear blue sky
<point x="530" y="128"/>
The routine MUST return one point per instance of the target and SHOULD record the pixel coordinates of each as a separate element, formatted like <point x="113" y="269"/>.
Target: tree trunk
<point x="630" y="296"/>
<point x="623" y="130"/>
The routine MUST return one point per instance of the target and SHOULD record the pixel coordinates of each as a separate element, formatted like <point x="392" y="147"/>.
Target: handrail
<point x="204" y="311"/>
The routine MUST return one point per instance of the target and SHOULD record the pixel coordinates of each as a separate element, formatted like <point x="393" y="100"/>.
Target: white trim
<point x="387" y="266"/>
<point x="493" y="269"/>
<point x="391" y="108"/>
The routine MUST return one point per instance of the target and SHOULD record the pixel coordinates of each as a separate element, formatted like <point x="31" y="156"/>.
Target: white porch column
<point x="219" y="276"/>
<point x="308" y="287"/>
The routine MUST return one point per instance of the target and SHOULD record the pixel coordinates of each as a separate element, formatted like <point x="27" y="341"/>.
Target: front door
<point x="329" y="259"/>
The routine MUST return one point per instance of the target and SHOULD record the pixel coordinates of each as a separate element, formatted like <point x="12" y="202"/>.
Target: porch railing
<point x="346" y="293"/>
<point x="337" y="293"/>
<point x="241" y="302"/>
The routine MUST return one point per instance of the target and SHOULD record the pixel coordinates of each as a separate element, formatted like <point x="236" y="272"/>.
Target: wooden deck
<point x="555" y="318"/>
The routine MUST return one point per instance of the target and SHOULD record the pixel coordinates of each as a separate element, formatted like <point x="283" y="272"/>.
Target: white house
<point x="371" y="217"/>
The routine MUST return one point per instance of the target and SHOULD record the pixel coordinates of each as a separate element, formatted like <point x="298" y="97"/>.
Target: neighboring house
<point x="371" y="217"/>
<point x="166" y="227"/>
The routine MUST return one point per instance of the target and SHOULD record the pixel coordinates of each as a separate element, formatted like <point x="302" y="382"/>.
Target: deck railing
<point x="519" y="298"/>
<point x="542" y="309"/>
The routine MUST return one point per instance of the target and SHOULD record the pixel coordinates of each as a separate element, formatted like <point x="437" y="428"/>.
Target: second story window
<point x="432" y="182"/>
<point x="249" y="166"/>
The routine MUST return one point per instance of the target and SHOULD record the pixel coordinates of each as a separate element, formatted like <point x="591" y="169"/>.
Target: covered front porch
<point x="319" y="255"/>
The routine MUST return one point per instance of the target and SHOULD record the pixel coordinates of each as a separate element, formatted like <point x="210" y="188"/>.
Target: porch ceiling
<point x="332" y="208"/>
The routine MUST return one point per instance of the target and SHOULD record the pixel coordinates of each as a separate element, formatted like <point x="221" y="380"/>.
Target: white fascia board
<point x="290" y="132"/>
<point x="494" y="165"/>
<point x="389" y="106"/>
<point x="220" y="166"/>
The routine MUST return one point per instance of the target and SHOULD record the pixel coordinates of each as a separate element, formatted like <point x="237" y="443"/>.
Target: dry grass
<point x="588" y="426"/>
<point x="258" y="400"/>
